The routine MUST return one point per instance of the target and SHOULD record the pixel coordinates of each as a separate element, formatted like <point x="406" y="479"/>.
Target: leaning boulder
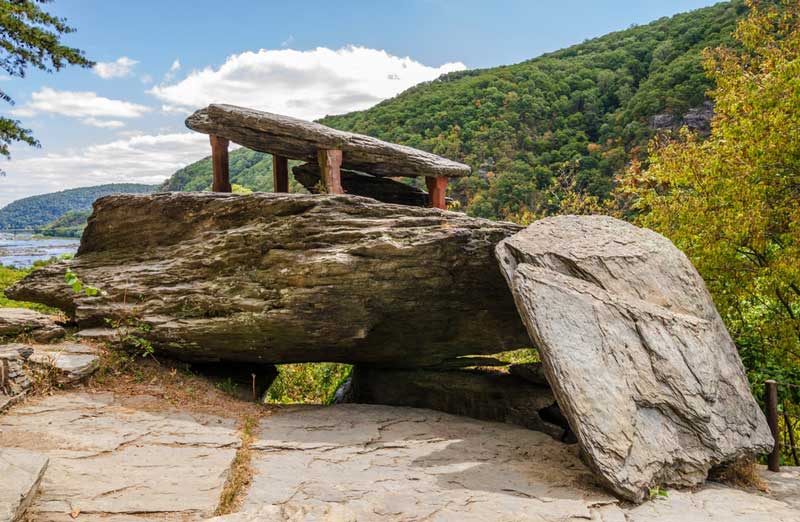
<point x="21" y="321"/>
<point x="285" y="278"/>
<point x="637" y="355"/>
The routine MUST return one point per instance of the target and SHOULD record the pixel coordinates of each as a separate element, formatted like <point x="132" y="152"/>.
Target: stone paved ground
<point x="120" y="458"/>
<point x="377" y="463"/>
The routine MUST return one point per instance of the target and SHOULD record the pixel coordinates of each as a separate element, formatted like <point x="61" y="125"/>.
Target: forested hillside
<point x="534" y="131"/>
<point x="37" y="211"/>
<point x="248" y="169"/>
<point x="70" y="224"/>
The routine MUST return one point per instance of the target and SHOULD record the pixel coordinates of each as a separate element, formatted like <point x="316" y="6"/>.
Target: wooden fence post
<point x="774" y="460"/>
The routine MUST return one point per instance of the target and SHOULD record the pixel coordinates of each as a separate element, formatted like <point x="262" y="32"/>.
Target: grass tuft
<point x="241" y="472"/>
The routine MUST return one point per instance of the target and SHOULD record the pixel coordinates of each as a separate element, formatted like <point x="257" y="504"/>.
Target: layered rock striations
<point x="279" y="278"/>
<point x="637" y="355"/>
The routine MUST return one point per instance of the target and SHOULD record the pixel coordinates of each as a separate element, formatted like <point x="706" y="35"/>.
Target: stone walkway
<point x="121" y="459"/>
<point x="124" y="459"/>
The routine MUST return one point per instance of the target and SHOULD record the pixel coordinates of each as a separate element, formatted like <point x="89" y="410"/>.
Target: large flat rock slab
<point x="20" y="474"/>
<point x="362" y="463"/>
<point x="36" y="325"/>
<point x="300" y="139"/>
<point x="381" y="463"/>
<point x="119" y="460"/>
<point x="287" y="278"/>
<point x="637" y="355"/>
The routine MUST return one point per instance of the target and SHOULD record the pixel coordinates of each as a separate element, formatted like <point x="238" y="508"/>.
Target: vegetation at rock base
<point x="314" y="383"/>
<point x="731" y="202"/>
<point x="31" y="37"/>
<point x="9" y="276"/>
<point x="41" y="211"/>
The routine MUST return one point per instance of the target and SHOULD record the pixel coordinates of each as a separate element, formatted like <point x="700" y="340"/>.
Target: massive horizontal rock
<point x="290" y="278"/>
<point x="360" y="184"/>
<point x="637" y="355"/>
<point x="300" y="139"/>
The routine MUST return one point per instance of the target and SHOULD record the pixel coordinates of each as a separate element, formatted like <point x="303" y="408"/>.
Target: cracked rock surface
<point x="120" y="460"/>
<point x="135" y="459"/>
<point x="362" y="463"/>
<point x="381" y="463"/>
<point x="637" y="355"/>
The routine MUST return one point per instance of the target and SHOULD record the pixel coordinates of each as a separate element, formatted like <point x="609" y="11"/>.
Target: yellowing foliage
<point x="732" y="201"/>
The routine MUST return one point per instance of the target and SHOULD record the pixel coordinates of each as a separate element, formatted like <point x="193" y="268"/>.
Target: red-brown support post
<point x="330" y="162"/>
<point x="219" y="164"/>
<point x="774" y="459"/>
<point x="437" y="186"/>
<point x="280" y="173"/>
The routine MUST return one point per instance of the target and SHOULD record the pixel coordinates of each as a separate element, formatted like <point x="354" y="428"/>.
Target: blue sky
<point x="159" y="60"/>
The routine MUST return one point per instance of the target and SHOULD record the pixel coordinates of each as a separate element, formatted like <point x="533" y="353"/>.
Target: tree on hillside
<point x="732" y="201"/>
<point x="30" y="37"/>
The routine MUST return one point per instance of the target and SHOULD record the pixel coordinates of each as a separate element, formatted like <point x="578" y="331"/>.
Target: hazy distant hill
<point x="37" y="211"/>
<point x="589" y="108"/>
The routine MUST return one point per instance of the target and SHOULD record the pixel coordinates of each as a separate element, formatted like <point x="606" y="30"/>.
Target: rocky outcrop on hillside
<point x="697" y="119"/>
<point x="637" y="355"/>
<point x="278" y="278"/>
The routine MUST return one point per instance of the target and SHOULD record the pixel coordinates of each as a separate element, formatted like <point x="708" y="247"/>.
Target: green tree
<point x="732" y="201"/>
<point x="30" y="37"/>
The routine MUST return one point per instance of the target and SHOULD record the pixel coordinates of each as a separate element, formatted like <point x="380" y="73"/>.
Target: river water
<point x="23" y="249"/>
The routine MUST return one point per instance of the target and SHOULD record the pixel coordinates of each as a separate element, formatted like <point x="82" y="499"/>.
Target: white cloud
<point x="120" y="68"/>
<point x="137" y="159"/>
<point x="305" y="84"/>
<point x="173" y="70"/>
<point x="78" y="104"/>
<point x="104" y="124"/>
<point x="146" y="79"/>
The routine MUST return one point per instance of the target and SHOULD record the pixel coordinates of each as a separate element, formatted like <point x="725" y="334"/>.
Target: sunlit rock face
<point x="284" y="278"/>
<point x="637" y="355"/>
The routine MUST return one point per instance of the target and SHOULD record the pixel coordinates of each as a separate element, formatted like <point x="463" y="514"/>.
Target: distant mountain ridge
<point x="581" y="113"/>
<point x="37" y="211"/>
